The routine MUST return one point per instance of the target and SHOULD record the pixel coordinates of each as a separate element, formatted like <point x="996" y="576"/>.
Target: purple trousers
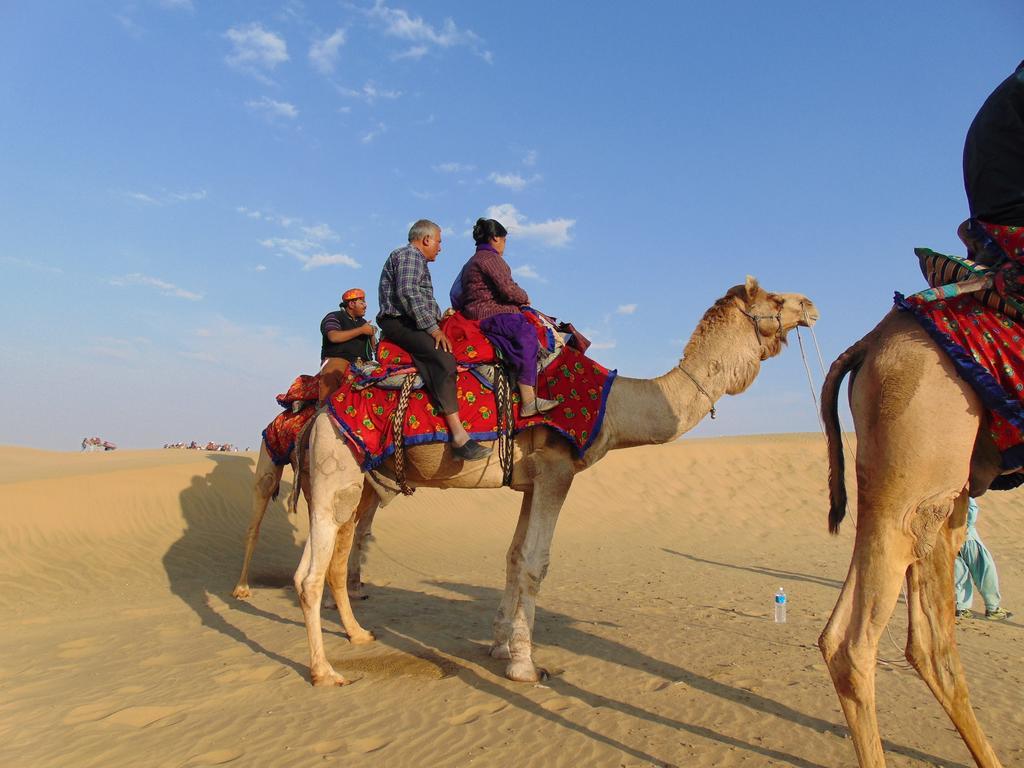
<point x="516" y="338"/>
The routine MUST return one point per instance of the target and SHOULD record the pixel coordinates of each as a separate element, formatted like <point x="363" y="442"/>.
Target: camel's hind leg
<point x="337" y="572"/>
<point x="849" y="642"/>
<point x="265" y="486"/>
<point x="509" y="601"/>
<point x="363" y="535"/>
<point x="336" y="489"/>
<point x="931" y="642"/>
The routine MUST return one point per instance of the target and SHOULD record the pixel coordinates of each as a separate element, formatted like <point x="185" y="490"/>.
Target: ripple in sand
<point x="214" y="757"/>
<point x="371" y="744"/>
<point x="140" y="717"/>
<point x="327" y="746"/>
<point x="473" y="714"/>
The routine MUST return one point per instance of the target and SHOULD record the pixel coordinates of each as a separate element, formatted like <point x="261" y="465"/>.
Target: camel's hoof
<point x="523" y="671"/>
<point x="355" y="594"/>
<point x="241" y="592"/>
<point x="363" y="638"/>
<point x="501" y="651"/>
<point x="328" y="679"/>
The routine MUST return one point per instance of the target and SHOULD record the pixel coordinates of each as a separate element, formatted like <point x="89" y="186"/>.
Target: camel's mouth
<point x="809" y="314"/>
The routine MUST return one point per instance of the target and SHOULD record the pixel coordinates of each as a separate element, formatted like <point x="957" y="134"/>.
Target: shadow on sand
<point x="204" y="562"/>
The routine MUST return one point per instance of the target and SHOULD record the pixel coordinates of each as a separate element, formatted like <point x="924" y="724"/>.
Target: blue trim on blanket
<point x="273" y="457"/>
<point x="992" y="394"/>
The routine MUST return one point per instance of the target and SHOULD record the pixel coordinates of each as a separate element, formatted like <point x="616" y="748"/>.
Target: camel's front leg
<point x="509" y="601"/>
<point x="337" y="572"/>
<point x="931" y="642"/>
<point x="849" y="643"/>
<point x="336" y="488"/>
<point x="549" y="491"/>
<point x="266" y="483"/>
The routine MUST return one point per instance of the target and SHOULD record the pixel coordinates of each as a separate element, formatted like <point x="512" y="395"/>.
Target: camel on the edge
<point x="723" y="356"/>
<point x="922" y="449"/>
<point x="266" y="486"/>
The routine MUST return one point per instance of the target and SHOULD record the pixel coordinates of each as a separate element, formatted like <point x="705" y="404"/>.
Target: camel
<point x="724" y="355"/>
<point x="922" y="449"/>
<point x="266" y="486"/>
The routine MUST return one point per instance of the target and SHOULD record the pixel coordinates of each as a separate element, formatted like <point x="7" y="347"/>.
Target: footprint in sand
<point x="214" y="757"/>
<point x="473" y="714"/>
<point x="557" y="704"/>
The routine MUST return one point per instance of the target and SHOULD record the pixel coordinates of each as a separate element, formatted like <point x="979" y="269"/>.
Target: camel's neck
<point x="722" y="358"/>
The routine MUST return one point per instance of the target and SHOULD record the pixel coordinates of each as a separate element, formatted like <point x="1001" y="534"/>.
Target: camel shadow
<point x="775" y="573"/>
<point x="197" y="563"/>
<point x="407" y="620"/>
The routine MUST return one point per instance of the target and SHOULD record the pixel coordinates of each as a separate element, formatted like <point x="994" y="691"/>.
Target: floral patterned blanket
<point x="362" y="408"/>
<point x="987" y="349"/>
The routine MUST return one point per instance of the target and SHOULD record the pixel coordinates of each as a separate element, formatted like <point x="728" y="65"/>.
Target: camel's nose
<point x="809" y="313"/>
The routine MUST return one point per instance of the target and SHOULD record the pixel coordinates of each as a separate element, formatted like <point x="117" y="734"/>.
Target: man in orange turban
<point x="347" y="337"/>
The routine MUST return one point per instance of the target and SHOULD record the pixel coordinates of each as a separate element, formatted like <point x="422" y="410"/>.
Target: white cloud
<point x="178" y="4"/>
<point x="527" y="270"/>
<point x="415" y="53"/>
<point x="163" y="197"/>
<point x="33" y="265"/>
<point x="554" y="232"/>
<point x="272" y="109"/>
<point x="167" y="289"/>
<point x="329" y="259"/>
<point x="323" y="54"/>
<point x="310" y="250"/>
<point x="255" y="50"/>
<point x="454" y="167"/>
<point x="625" y="309"/>
<point x="603" y="345"/>
<point x="129" y="25"/>
<point x="398" y="23"/>
<point x="368" y="93"/>
<point x="512" y="181"/>
<point x="260" y="268"/>
<point x="530" y="158"/>
<point x="373" y="133"/>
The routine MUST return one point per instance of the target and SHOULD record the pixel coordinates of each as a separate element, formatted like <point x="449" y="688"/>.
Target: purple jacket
<point x="488" y="288"/>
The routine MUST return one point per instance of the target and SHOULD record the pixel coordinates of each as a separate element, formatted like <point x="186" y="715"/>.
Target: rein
<point x="699" y="388"/>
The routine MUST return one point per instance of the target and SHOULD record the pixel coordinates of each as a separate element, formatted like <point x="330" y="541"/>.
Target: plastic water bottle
<point x="780" y="606"/>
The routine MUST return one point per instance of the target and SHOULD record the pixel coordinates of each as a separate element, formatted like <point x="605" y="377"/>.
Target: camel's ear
<point x="747" y="291"/>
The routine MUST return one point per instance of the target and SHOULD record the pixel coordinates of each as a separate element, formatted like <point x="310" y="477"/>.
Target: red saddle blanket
<point x="987" y="349"/>
<point x="579" y="384"/>
<point x="363" y="410"/>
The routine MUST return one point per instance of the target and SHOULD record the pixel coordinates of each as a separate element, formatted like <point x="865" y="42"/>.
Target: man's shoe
<point x="538" y="406"/>
<point x="998" y="614"/>
<point x="471" y="450"/>
<point x="966" y="613"/>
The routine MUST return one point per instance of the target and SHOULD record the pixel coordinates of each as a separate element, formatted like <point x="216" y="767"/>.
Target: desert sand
<point x="122" y="645"/>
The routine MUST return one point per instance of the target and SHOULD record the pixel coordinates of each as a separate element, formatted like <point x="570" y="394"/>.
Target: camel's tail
<point x="849" y="361"/>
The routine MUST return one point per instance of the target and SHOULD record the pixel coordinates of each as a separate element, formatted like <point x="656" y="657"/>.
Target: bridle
<point x="755" y="320"/>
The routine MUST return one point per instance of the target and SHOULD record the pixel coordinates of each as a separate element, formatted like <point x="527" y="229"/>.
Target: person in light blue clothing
<point x="974" y="563"/>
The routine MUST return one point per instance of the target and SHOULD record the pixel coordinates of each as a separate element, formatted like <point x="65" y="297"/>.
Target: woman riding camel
<point x="492" y="296"/>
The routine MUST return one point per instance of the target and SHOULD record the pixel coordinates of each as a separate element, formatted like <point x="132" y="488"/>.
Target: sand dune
<point x="123" y="646"/>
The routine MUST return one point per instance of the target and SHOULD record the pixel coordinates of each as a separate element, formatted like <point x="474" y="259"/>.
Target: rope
<point x="506" y="422"/>
<point x="397" y="424"/>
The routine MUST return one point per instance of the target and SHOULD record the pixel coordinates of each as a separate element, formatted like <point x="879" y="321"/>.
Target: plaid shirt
<point x="406" y="290"/>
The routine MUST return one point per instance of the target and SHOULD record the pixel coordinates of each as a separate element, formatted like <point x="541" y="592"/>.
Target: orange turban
<point x="353" y="293"/>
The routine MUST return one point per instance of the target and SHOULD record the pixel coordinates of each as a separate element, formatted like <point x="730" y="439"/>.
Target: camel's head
<point x="772" y="315"/>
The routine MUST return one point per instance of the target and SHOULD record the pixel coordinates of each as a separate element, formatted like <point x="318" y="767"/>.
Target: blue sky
<point x="186" y="187"/>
